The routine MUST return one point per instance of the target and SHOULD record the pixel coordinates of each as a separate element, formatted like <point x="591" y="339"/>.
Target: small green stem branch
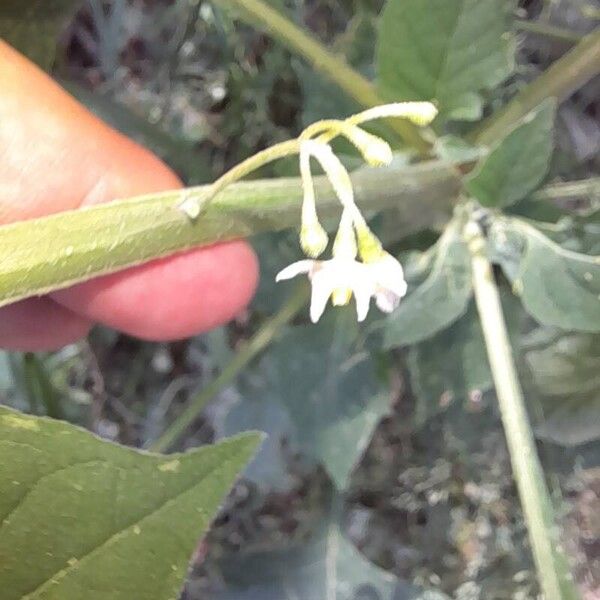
<point x="560" y="80"/>
<point x="553" y="572"/>
<point x="334" y="68"/>
<point x="50" y="253"/>
<point x="251" y="164"/>
<point x="550" y="31"/>
<point x="586" y="188"/>
<point x="259" y="341"/>
<point x="39" y="387"/>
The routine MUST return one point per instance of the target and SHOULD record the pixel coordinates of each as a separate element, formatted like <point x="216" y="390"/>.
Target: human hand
<point x="55" y="156"/>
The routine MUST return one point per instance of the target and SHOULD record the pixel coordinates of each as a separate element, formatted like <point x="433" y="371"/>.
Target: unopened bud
<point x="313" y="238"/>
<point x="374" y="150"/>
<point x="420" y="113"/>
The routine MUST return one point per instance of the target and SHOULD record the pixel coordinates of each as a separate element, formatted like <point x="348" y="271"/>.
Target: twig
<point x="256" y="344"/>
<point x="334" y="68"/>
<point x="551" y="31"/>
<point x="560" y="80"/>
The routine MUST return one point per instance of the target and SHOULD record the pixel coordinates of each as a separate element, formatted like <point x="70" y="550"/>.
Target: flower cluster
<point x="377" y="274"/>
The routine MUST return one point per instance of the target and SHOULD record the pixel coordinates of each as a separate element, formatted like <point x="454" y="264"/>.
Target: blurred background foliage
<point x="391" y="465"/>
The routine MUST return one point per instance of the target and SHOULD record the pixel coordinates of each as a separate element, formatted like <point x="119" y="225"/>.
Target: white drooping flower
<point x="382" y="279"/>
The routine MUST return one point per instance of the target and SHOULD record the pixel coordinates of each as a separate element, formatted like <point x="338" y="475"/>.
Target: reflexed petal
<point x="363" y="300"/>
<point x="386" y="301"/>
<point x="389" y="275"/>
<point x="322" y="288"/>
<point x="398" y="288"/>
<point x="302" y="266"/>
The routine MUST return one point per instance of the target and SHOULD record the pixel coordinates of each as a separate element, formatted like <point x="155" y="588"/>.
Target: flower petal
<point x="322" y="288"/>
<point x="387" y="301"/>
<point x="389" y="275"/>
<point x="363" y="301"/>
<point x="302" y="266"/>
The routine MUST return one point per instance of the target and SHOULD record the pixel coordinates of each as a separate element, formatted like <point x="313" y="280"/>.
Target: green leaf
<point x="256" y="412"/>
<point x="518" y="164"/>
<point x="327" y="384"/>
<point x="329" y="567"/>
<point x="32" y="26"/>
<point x="439" y="291"/>
<point x="450" y="366"/>
<point x="85" y="519"/>
<point x="455" y="149"/>
<point x="564" y="372"/>
<point x="274" y="249"/>
<point x="445" y="51"/>
<point x="558" y="287"/>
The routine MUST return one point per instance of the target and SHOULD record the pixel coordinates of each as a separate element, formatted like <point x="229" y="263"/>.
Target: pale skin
<point x="55" y="156"/>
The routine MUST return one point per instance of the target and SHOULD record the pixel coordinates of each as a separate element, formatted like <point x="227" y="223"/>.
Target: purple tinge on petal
<point x="387" y="301"/>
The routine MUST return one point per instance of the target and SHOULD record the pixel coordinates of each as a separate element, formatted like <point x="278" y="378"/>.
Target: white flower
<point x="382" y="278"/>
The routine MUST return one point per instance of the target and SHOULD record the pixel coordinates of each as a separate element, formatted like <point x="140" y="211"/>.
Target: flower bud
<point x="374" y="150"/>
<point x="420" y="113"/>
<point x="313" y="238"/>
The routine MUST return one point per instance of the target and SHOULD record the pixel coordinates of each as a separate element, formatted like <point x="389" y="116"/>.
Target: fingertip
<point x="171" y="298"/>
<point x="39" y="325"/>
<point x="56" y="155"/>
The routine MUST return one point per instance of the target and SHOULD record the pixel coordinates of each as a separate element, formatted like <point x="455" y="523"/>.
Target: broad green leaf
<point x="274" y="249"/>
<point x="439" y="291"/>
<point x="328" y="387"/>
<point x="446" y="51"/>
<point x="254" y="411"/>
<point x="579" y="233"/>
<point x="328" y="568"/>
<point x="558" y="287"/>
<point x="517" y="165"/>
<point x="32" y="26"/>
<point x="85" y="519"/>
<point x="450" y="366"/>
<point x="564" y="372"/>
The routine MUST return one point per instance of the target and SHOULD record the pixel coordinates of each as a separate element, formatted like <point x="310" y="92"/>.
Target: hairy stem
<point x="337" y="70"/>
<point x="258" y="342"/>
<point x="553" y="572"/>
<point x="570" y="189"/>
<point x="49" y="253"/>
<point x="560" y="80"/>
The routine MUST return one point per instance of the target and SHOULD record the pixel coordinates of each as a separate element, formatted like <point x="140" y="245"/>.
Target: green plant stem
<point x="570" y="189"/>
<point x="258" y="342"/>
<point x="50" y="253"/>
<point x="251" y="164"/>
<point x="39" y="386"/>
<point x="553" y="572"/>
<point x="550" y="31"/>
<point x="334" y="68"/>
<point x="560" y="80"/>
